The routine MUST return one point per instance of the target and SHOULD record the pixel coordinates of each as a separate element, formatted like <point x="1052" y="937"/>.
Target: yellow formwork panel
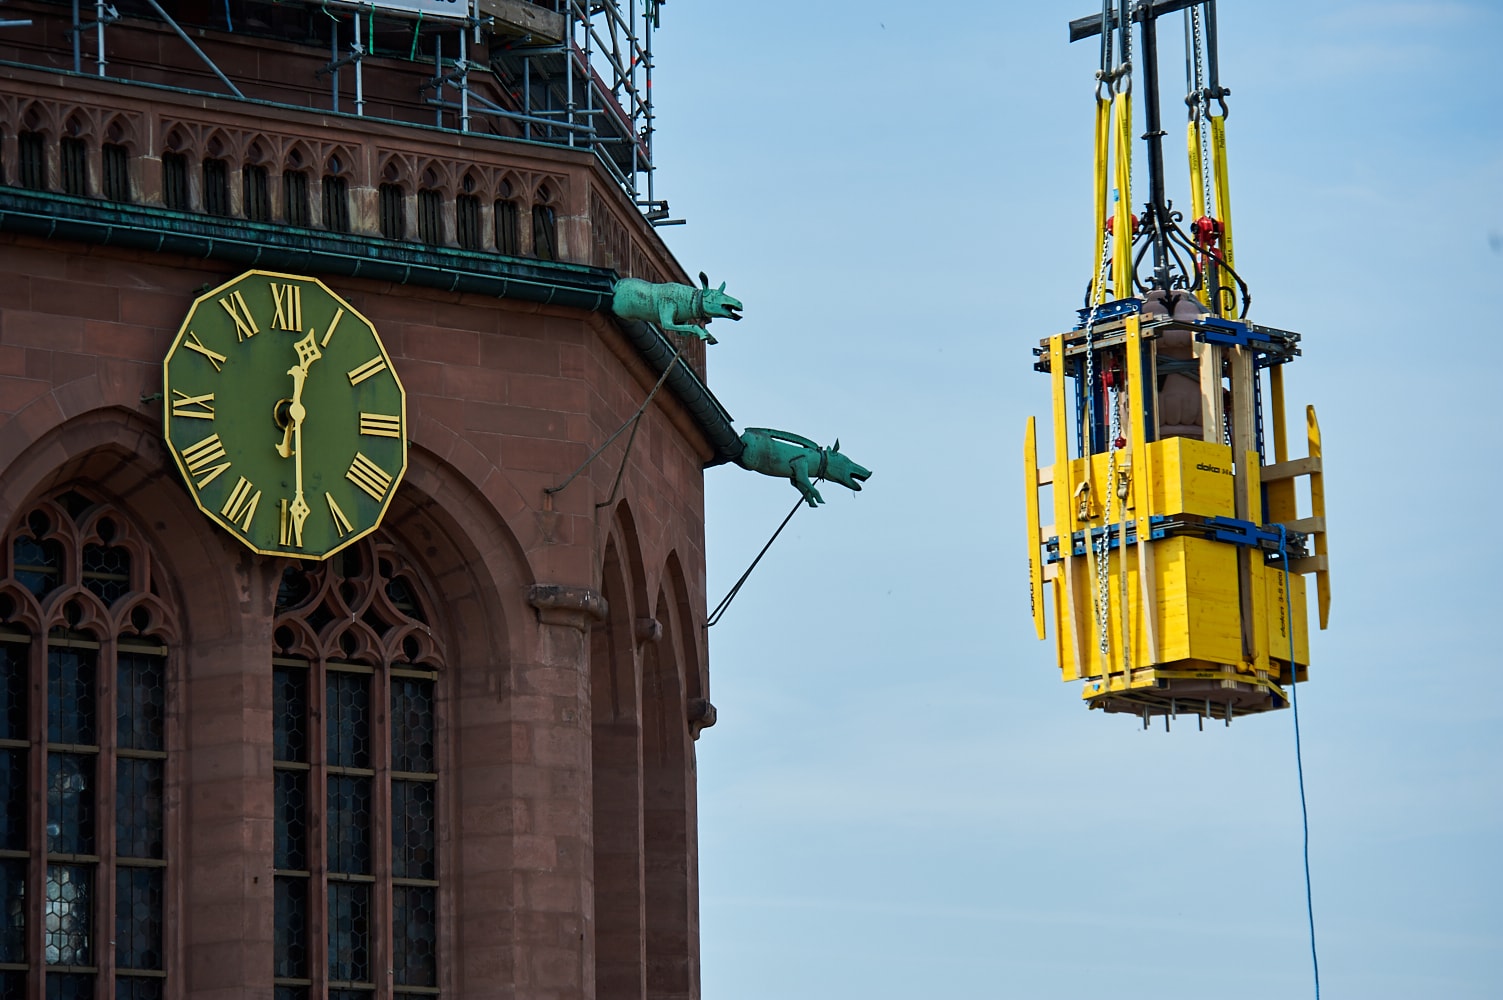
<point x="1277" y="626"/>
<point x="1192" y="477"/>
<point x="1195" y="609"/>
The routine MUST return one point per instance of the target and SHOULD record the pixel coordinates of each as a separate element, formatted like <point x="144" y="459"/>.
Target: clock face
<point x="285" y="415"/>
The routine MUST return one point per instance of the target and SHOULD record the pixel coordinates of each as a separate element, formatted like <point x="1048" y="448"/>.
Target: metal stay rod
<point x="196" y="50"/>
<point x="1158" y="211"/>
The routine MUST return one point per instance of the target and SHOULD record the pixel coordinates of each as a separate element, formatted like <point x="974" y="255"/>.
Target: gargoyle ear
<point x="836" y="445"/>
<point x="722" y="286"/>
<point x="704" y="279"/>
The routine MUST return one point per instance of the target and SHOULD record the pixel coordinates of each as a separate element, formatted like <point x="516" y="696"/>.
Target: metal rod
<point x="568" y="61"/>
<point x="358" y="52"/>
<point x="1213" y="65"/>
<point x="1158" y="214"/>
<point x="186" y="40"/>
<point x="77" y="41"/>
<point x="99" y="7"/>
<point x="1085" y="27"/>
<point x="463" y="66"/>
<point x="334" y="56"/>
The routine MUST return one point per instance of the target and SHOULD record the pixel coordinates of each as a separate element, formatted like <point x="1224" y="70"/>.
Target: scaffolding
<point x="574" y="73"/>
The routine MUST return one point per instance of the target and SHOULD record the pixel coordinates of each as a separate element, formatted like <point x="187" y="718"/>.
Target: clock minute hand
<point x="307" y="352"/>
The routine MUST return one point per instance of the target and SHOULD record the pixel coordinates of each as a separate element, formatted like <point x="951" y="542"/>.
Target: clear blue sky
<point x="901" y="799"/>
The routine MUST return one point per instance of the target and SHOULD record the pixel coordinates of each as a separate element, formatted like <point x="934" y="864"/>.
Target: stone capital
<point x="557" y="604"/>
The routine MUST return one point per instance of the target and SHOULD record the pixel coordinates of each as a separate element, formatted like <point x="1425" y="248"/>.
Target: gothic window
<point x="336" y="204"/>
<point x="393" y="212"/>
<point x="508" y="228"/>
<point x="256" y="193"/>
<point x="175" y="181"/>
<point x="295" y="197"/>
<point x="356" y="780"/>
<point x="431" y="216"/>
<point x="32" y="149"/>
<point x="467" y="221"/>
<point x="83" y="757"/>
<point x="115" y="169"/>
<point x="74" y="159"/>
<point x="216" y="186"/>
<point x="544" y="227"/>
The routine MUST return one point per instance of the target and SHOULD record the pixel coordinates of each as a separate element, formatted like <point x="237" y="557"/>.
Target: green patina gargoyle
<point x="680" y="308"/>
<point x="779" y="453"/>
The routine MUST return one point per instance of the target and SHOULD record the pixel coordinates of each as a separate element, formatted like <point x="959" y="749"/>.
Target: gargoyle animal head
<point x="717" y="304"/>
<point x="840" y="469"/>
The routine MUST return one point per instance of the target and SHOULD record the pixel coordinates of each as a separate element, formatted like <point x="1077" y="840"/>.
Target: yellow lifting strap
<point x="1223" y="205"/>
<point x="1197" y="190"/>
<point x="1099" y="194"/>
<point x="1122" y="224"/>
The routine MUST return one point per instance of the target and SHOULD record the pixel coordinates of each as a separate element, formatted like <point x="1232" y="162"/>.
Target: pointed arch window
<point x="357" y="779"/>
<point x="84" y="852"/>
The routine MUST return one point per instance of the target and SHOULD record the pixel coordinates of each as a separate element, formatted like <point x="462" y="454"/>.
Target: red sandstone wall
<point x="503" y="400"/>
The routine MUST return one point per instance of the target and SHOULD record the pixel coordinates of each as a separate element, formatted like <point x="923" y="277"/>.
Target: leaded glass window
<point x="356" y="783"/>
<point x="89" y="699"/>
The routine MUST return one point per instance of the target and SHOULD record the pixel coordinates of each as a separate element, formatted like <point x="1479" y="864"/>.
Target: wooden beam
<point x="517" y="17"/>
<point x="1306" y="525"/>
<point x="1292" y="468"/>
<point x="1309" y="564"/>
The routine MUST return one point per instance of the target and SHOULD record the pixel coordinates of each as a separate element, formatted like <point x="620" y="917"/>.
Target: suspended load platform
<point x="1164" y="519"/>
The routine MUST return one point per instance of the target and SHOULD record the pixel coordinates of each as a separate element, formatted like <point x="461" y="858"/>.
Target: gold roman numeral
<point x="369" y="476"/>
<point x="341" y="523"/>
<point x="286" y="529"/>
<point x="194" y="344"/>
<point x="365" y="371"/>
<point x="288" y="300"/>
<point x="385" y="425"/>
<point x="201" y="456"/>
<point x="241" y="505"/>
<point x="245" y="323"/>
<point x="183" y="405"/>
<point x="338" y="315"/>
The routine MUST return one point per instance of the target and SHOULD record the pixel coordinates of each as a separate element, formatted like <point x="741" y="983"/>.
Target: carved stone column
<point x="554" y="860"/>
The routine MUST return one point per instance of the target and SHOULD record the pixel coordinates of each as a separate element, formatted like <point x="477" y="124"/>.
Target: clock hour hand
<point x="307" y="353"/>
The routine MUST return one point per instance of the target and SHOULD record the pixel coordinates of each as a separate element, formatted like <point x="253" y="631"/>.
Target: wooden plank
<point x="1212" y="415"/>
<point x="1310" y="564"/>
<point x="1306" y="525"/>
<point x="521" y="18"/>
<point x="1035" y="543"/>
<point x="1294" y="467"/>
<point x="1045" y="472"/>
<point x="1069" y="609"/>
<point x="1318" y="509"/>
<point x="1259" y="620"/>
<point x="1282" y="505"/>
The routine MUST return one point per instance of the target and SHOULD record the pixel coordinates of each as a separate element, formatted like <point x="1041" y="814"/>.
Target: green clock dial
<point x="285" y="414"/>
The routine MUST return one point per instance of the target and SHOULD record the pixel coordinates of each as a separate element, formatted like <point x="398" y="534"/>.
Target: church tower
<point x="347" y="651"/>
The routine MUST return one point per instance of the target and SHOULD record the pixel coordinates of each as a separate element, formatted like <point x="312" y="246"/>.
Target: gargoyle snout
<point x="732" y="308"/>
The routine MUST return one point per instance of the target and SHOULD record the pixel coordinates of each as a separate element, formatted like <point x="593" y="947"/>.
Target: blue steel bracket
<point x="1108" y="311"/>
<point x="1270" y="346"/>
<point x="1223" y="332"/>
<point x="1157" y="528"/>
<point x="1240" y="532"/>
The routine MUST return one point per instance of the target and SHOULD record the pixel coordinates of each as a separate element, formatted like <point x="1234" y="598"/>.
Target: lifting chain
<point x="1104" y="547"/>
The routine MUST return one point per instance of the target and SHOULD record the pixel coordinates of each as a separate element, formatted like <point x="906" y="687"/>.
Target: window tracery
<point x="84" y="642"/>
<point x="357" y="772"/>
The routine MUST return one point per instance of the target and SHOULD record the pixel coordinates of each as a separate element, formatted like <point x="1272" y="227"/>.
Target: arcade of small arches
<point x="339" y="183"/>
